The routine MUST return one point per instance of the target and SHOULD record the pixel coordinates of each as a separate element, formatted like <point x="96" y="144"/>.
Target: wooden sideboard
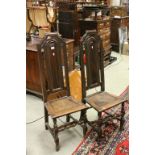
<point x="103" y="29"/>
<point x="33" y="83"/>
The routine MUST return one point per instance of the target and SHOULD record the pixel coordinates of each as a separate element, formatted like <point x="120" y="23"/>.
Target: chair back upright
<point x="91" y="59"/>
<point x="53" y="67"/>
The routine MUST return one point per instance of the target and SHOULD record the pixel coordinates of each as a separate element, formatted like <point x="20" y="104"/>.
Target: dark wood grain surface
<point x="33" y="83"/>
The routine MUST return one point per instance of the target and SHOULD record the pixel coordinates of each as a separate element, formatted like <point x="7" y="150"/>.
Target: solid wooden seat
<point x="55" y="86"/>
<point x="92" y="76"/>
<point x="102" y="101"/>
<point x="64" y="106"/>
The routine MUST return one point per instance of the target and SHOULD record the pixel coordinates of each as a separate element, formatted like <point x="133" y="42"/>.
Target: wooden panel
<point x="93" y="74"/>
<point x="54" y="64"/>
<point x="92" y="68"/>
<point x="70" y="55"/>
<point x="32" y="71"/>
<point x="33" y="83"/>
<point x="92" y="49"/>
<point x="75" y="84"/>
<point x="52" y="73"/>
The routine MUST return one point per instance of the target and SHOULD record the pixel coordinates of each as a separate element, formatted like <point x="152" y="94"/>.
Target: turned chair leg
<point x="67" y="118"/>
<point x="56" y="138"/>
<point x="122" y="117"/>
<point x="99" y="124"/>
<point x="83" y="117"/>
<point x="99" y="115"/>
<point x="46" y="118"/>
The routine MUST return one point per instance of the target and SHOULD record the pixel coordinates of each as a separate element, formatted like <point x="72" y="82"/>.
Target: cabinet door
<point x="32" y="72"/>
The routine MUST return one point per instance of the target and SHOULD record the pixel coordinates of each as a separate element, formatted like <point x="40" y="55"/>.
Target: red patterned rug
<point x="113" y="142"/>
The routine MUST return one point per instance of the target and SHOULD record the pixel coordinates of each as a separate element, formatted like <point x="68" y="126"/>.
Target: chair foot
<point x="121" y="125"/>
<point x="99" y="132"/>
<point x="122" y="117"/>
<point x="84" y="129"/>
<point x="99" y="115"/>
<point x="56" y="140"/>
<point x="83" y="118"/>
<point x="46" y="118"/>
<point x="55" y="134"/>
<point x="67" y="118"/>
<point x="46" y="128"/>
<point x="99" y="125"/>
<point x="57" y="145"/>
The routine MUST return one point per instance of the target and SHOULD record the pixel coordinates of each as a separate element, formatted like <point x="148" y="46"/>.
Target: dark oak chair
<point x="92" y="76"/>
<point x="55" y="86"/>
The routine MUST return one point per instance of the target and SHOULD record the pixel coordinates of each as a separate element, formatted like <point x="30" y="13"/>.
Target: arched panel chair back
<point x="92" y="76"/>
<point x="92" y="71"/>
<point x="53" y="67"/>
<point x="55" y="87"/>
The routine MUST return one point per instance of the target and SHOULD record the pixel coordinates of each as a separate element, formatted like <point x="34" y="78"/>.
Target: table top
<point x="32" y="45"/>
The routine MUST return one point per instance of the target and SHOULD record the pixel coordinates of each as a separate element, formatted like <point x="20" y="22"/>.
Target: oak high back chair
<point x="92" y="76"/>
<point x="55" y="86"/>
